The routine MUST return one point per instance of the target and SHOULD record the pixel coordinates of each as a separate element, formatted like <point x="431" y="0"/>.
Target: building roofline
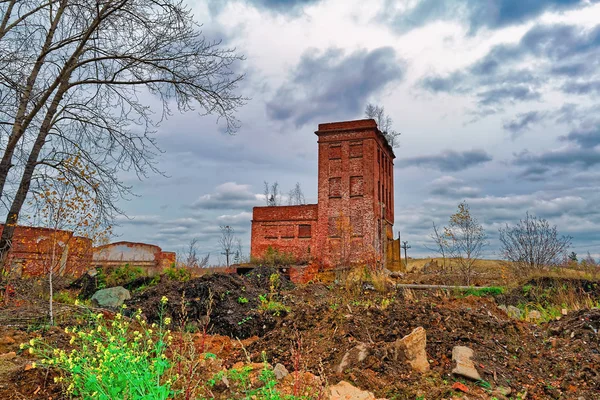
<point x="354" y="126"/>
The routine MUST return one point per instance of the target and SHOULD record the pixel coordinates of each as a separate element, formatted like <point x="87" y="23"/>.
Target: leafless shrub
<point x="532" y="244"/>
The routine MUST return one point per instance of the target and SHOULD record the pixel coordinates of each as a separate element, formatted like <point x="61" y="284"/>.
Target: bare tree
<point x="441" y="244"/>
<point x="227" y="242"/>
<point x="532" y="244"/>
<point x="191" y="256"/>
<point x="296" y="196"/>
<point x="73" y="79"/>
<point x="465" y="239"/>
<point x="384" y="123"/>
<point x="272" y="194"/>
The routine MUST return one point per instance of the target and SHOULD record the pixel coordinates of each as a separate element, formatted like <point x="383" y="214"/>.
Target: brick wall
<point x="34" y="249"/>
<point x="355" y="212"/>
<point x="285" y="228"/>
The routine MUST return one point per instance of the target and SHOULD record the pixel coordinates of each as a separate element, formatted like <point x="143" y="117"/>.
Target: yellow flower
<point x="167" y="321"/>
<point x="67" y="329"/>
<point x="164" y="300"/>
<point x="33" y="365"/>
<point x="124" y="306"/>
<point x="99" y="316"/>
<point x="32" y="342"/>
<point x="31" y="350"/>
<point x="22" y="346"/>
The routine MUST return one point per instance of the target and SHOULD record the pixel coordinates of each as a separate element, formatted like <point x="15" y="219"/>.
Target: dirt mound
<point x="227" y="303"/>
<point x="551" y="291"/>
<point x="508" y="352"/>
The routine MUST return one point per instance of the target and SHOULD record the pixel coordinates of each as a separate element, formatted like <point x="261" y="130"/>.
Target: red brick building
<point x="354" y="216"/>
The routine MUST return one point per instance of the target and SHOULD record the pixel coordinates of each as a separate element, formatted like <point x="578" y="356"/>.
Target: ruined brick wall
<point x="149" y="257"/>
<point x="34" y="249"/>
<point x="354" y="216"/>
<point x="356" y="192"/>
<point x="285" y="228"/>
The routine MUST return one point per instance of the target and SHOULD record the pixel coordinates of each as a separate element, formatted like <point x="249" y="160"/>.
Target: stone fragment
<point x="413" y="346"/>
<point x="280" y="371"/>
<point x="345" y="391"/>
<point x="534" y="315"/>
<point x="462" y="357"/>
<point x="7" y="340"/>
<point x="353" y="357"/>
<point x="111" y="297"/>
<point x="564" y="311"/>
<point x="8" y="356"/>
<point x="502" y="390"/>
<point x="514" y="312"/>
<point x="461" y="387"/>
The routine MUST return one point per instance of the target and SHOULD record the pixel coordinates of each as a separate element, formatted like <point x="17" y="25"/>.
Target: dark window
<point x="335" y="187"/>
<point x="335" y="151"/>
<point x="356" y="149"/>
<point x="304" y="231"/>
<point x="356" y="186"/>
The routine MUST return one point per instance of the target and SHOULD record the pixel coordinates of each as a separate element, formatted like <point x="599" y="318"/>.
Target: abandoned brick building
<point x="353" y="219"/>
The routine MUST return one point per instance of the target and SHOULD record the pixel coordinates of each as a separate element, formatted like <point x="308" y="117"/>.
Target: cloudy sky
<point x="497" y="102"/>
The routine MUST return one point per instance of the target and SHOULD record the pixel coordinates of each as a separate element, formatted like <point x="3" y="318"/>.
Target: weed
<point x="178" y="274"/>
<point x="112" y="359"/>
<point x="486" y="291"/>
<point x="242" y="300"/>
<point x="244" y="320"/>
<point x="272" y="306"/>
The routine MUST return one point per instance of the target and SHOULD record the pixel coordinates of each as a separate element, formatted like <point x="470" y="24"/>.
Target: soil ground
<point x="559" y="359"/>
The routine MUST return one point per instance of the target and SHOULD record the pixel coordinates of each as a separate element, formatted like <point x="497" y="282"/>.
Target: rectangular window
<point x="335" y="151"/>
<point x="356" y="186"/>
<point x="356" y="149"/>
<point x="334" y="227"/>
<point x="335" y="187"/>
<point x="304" y="231"/>
<point x="356" y="223"/>
<point x="271" y="232"/>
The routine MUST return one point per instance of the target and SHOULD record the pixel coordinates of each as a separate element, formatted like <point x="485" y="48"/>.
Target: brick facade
<point x="34" y="249"/>
<point x="354" y="216"/>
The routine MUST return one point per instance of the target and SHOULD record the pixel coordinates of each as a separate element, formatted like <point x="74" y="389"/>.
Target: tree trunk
<point x="22" y="121"/>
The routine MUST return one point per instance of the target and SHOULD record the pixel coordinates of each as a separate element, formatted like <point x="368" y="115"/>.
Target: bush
<point x="114" y="359"/>
<point x="178" y="274"/>
<point x="275" y="258"/>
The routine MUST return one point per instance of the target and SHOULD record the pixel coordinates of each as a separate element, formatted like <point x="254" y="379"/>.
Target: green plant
<point x="242" y="300"/>
<point x="274" y="258"/>
<point x="178" y="274"/>
<point x="123" y="274"/>
<point x="485" y="291"/>
<point x="273" y="306"/>
<point x="484" y="384"/>
<point x="118" y="359"/>
<point x="244" y="320"/>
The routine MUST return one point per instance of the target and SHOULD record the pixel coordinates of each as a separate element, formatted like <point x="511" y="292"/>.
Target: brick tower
<point x="356" y="192"/>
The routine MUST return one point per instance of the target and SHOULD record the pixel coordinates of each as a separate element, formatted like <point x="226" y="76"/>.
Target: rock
<point x="345" y="391"/>
<point x="502" y="391"/>
<point x="462" y="355"/>
<point x="7" y="340"/>
<point x="111" y="297"/>
<point x="461" y="387"/>
<point x="534" y="315"/>
<point x="412" y="347"/>
<point x="564" y="311"/>
<point x="514" y="312"/>
<point x="92" y="272"/>
<point x="8" y="356"/>
<point x="503" y="308"/>
<point x="353" y="357"/>
<point x="280" y="371"/>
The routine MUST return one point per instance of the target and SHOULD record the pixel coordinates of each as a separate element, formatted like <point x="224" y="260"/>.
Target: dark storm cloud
<point x="449" y="160"/>
<point x="592" y="87"/>
<point x="451" y="187"/>
<point x="561" y="53"/>
<point x="477" y="14"/>
<point x="278" y="6"/>
<point x="584" y="138"/>
<point x="228" y="196"/>
<point x="522" y="122"/>
<point x="334" y="85"/>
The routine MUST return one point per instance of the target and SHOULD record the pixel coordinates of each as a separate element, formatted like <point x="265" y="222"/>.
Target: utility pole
<point x="405" y="246"/>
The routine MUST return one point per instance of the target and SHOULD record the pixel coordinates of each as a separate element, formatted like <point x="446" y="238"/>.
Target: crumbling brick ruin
<point x="354" y="217"/>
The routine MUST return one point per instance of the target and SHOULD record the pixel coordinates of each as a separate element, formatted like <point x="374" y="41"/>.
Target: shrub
<point x="118" y="276"/>
<point x="274" y="258"/>
<point x="114" y="359"/>
<point x="178" y="274"/>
